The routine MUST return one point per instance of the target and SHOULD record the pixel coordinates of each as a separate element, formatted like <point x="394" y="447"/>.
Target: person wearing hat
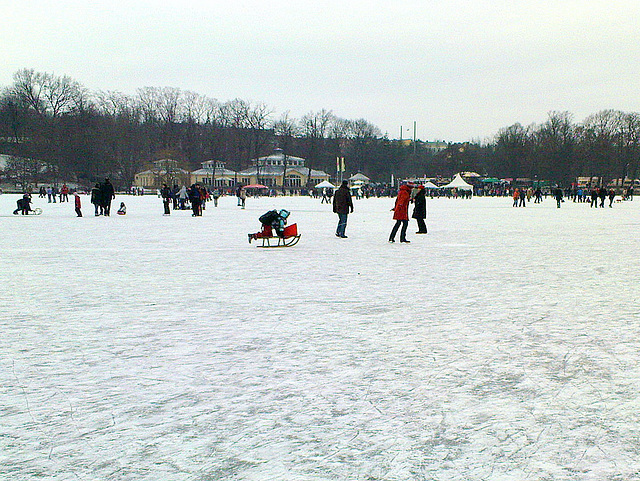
<point x="420" y="209"/>
<point x="401" y="214"/>
<point x="343" y="206"/>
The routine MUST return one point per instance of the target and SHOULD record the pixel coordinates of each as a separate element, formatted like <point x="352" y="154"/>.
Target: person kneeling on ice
<point x="24" y="205"/>
<point x="272" y="220"/>
<point x="123" y="209"/>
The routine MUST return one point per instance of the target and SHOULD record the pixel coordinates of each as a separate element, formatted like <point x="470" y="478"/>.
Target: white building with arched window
<point x="281" y="170"/>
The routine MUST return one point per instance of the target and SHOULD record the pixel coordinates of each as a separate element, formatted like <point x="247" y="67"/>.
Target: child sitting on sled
<point x="272" y="220"/>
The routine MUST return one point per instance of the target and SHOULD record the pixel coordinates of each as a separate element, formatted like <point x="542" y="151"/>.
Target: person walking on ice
<point x="78" y="204"/>
<point x="401" y="214"/>
<point x="243" y="196"/>
<point x="216" y="196"/>
<point x="557" y="193"/>
<point x="343" y="206"/>
<point x="166" y="195"/>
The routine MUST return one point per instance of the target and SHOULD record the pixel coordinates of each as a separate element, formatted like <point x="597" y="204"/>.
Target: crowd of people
<point x="196" y="196"/>
<point x="183" y="198"/>
<point x="595" y="196"/>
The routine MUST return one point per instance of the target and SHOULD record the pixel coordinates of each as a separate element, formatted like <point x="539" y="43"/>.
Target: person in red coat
<point x="78" y="205"/>
<point x="401" y="213"/>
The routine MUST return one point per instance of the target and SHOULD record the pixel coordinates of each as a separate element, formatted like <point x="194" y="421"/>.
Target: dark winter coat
<point x="166" y="193"/>
<point x="342" y="203"/>
<point x="420" y="205"/>
<point x="108" y="192"/>
<point x="401" y="209"/>
<point x="558" y="194"/>
<point x="194" y="195"/>
<point x="96" y="195"/>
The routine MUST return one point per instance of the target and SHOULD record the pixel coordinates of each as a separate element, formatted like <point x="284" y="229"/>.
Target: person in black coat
<point x="558" y="195"/>
<point x="343" y="206"/>
<point x="602" y="193"/>
<point x="194" y="198"/>
<point x="166" y="195"/>
<point x="420" y="209"/>
<point x="96" y="199"/>
<point x="24" y="205"/>
<point x="108" y="194"/>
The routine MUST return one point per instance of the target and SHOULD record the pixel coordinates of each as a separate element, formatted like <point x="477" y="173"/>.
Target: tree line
<point x="54" y="129"/>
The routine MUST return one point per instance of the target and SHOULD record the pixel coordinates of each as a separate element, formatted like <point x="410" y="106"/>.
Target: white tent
<point x="325" y="184"/>
<point x="430" y="185"/>
<point x="458" y="183"/>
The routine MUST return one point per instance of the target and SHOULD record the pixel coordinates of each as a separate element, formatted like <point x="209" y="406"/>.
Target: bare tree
<point x="598" y="142"/>
<point x="285" y="129"/>
<point x="513" y="150"/>
<point x="62" y="95"/>
<point x="195" y="108"/>
<point x="555" y="146"/>
<point x="28" y="87"/>
<point x="48" y="94"/>
<point x="315" y="128"/>
<point x="23" y="172"/>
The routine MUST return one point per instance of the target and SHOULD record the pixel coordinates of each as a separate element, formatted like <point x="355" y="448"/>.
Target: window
<point x="292" y="181"/>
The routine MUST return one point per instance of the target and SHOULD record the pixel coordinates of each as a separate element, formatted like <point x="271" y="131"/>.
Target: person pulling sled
<point x="24" y="206"/>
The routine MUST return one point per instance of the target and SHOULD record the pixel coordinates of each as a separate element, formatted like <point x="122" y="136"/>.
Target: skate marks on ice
<point x="509" y="357"/>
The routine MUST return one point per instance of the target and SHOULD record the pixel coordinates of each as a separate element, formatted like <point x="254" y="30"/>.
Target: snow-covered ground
<point x="503" y="345"/>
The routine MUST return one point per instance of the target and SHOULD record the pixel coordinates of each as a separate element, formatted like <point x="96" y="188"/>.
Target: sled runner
<point x="290" y="237"/>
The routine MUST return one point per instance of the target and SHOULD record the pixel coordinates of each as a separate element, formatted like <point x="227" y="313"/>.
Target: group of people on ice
<point x="522" y="196"/>
<point x="601" y="194"/>
<point x="196" y="196"/>
<point x="52" y="192"/>
<point x="407" y="193"/>
<point x="597" y="196"/>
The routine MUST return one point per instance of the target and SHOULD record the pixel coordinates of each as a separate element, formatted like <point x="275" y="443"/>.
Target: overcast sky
<point x="460" y="69"/>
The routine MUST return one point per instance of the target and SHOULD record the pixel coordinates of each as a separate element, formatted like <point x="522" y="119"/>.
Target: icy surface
<point x="503" y="345"/>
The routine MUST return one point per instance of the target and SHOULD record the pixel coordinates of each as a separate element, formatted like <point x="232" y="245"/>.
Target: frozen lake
<point x="503" y="345"/>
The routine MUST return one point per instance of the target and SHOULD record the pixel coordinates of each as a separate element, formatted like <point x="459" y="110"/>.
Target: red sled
<point x="290" y="236"/>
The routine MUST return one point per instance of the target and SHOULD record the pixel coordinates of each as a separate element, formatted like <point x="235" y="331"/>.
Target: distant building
<point x="359" y="179"/>
<point x="280" y="169"/>
<point x="214" y="174"/>
<point x="436" y="146"/>
<point x="164" y="171"/>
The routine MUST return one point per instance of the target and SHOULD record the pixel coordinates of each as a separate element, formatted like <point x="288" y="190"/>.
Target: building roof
<point x="278" y="170"/>
<point x="359" y="176"/>
<point x="278" y="157"/>
<point x="163" y="171"/>
<point x="219" y="172"/>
